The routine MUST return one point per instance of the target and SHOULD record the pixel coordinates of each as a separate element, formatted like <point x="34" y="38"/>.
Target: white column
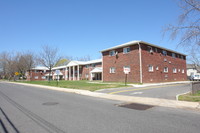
<point x="73" y="72"/>
<point x="69" y="73"/>
<point x="78" y="73"/>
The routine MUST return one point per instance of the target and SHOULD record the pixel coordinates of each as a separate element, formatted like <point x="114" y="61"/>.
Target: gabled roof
<point x="59" y="67"/>
<point x="135" y="43"/>
<point x="75" y="63"/>
<point x="97" y="70"/>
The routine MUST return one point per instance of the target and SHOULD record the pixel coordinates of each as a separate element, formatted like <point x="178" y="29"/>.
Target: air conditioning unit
<point x="165" y="59"/>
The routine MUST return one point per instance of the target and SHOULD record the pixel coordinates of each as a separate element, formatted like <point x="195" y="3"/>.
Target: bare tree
<point x="188" y="27"/>
<point x="25" y="61"/>
<point x="49" y="57"/>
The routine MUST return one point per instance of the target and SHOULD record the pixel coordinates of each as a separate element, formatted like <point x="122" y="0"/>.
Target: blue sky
<point x="84" y="27"/>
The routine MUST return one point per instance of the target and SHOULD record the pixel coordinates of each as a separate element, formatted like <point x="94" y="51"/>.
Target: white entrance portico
<point x="74" y="70"/>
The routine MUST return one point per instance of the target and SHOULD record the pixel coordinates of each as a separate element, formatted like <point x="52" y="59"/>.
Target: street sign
<point x="57" y="72"/>
<point x="16" y="73"/>
<point x="126" y="70"/>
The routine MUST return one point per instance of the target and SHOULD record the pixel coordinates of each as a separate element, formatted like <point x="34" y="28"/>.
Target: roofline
<point x="136" y="42"/>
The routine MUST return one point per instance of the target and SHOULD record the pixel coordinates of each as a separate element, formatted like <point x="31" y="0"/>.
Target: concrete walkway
<point x="129" y="99"/>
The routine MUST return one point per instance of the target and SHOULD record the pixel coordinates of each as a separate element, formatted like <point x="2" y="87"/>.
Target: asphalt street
<point x="35" y="110"/>
<point x="160" y="91"/>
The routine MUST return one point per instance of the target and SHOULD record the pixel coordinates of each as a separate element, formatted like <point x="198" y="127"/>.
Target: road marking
<point x="136" y="93"/>
<point x="146" y="88"/>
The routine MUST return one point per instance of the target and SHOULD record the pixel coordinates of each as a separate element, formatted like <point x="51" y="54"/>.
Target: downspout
<point x="140" y="59"/>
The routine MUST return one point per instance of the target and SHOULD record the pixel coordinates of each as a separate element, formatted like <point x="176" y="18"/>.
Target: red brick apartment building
<point x="147" y="63"/>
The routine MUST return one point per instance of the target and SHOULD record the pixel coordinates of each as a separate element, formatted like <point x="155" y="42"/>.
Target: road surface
<point x="35" y="110"/>
<point x="160" y="91"/>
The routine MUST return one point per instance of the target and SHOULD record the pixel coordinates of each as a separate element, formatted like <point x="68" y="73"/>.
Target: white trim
<point x="73" y="72"/>
<point x="136" y="42"/>
<point x="140" y="58"/>
<point x="78" y="73"/>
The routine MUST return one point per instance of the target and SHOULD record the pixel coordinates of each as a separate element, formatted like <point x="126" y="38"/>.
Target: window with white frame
<point x="112" y="53"/>
<point x="36" y="77"/>
<point x="164" y="53"/>
<point x="43" y="77"/>
<point x="174" y="70"/>
<point x="165" y="69"/>
<point x="173" y="55"/>
<point x="183" y="71"/>
<point x="150" y="68"/>
<point x="157" y="68"/>
<point x="150" y="49"/>
<point x="112" y="70"/>
<point x="126" y="50"/>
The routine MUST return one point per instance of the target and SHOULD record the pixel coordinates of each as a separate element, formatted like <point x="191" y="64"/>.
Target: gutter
<point x="140" y="59"/>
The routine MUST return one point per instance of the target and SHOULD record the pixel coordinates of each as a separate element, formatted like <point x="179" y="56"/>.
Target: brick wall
<point x="130" y="59"/>
<point x="157" y="59"/>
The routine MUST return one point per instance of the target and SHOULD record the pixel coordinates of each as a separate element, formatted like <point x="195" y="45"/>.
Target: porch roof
<point x="97" y="70"/>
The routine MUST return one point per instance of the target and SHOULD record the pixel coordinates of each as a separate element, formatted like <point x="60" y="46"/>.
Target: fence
<point x="195" y="86"/>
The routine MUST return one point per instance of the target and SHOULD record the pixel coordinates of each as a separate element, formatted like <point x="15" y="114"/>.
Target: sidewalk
<point x="164" y="83"/>
<point x="129" y="99"/>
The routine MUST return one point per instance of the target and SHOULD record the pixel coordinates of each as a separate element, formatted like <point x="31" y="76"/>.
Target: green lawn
<point x="190" y="97"/>
<point x="84" y="85"/>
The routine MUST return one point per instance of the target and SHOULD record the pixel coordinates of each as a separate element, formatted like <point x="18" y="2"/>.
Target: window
<point x="157" y="68"/>
<point x="156" y="50"/>
<point x="112" y="53"/>
<point x="150" y="49"/>
<point x="182" y="57"/>
<point x="126" y="50"/>
<point x="93" y="65"/>
<point x="164" y="53"/>
<point x="174" y="70"/>
<point x="112" y="70"/>
<point x="87" y="66"/>
<point x="150" y="68"/>
<point x="183" y="71"/>
<point x="165" y="69"/>
<point x="43" y="77"/>
<point x="36" y="77"/>
<point x="173" y="55"/>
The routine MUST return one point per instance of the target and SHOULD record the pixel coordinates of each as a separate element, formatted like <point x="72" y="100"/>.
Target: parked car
<point x="196" y="77"/>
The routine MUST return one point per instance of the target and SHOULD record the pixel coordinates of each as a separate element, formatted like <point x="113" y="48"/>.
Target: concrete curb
<point x="181" y="94"/>
<point x="129" y="99"/>
<point x="165" y="83"/>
